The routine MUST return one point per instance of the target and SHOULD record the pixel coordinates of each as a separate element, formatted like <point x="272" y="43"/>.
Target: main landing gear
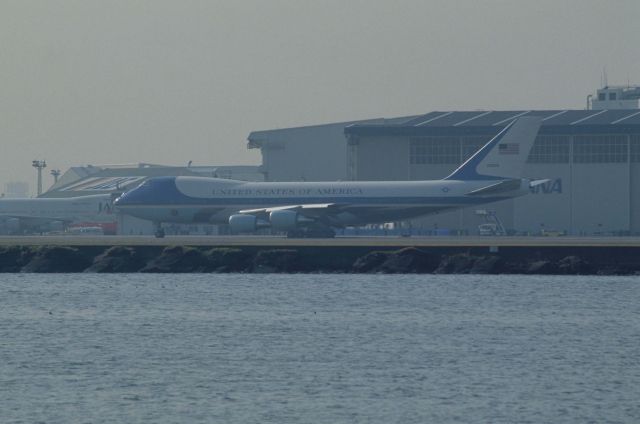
<point x="158" y="230"/>
<point x="314" y="232"/>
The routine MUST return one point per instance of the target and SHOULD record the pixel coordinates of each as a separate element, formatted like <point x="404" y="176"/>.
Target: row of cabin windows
<point x="546" y="149"/>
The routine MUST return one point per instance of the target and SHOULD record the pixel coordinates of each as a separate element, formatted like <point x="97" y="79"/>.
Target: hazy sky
<point x="156" y="81"/>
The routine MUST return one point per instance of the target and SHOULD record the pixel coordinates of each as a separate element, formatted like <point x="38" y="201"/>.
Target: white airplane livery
<point x="492" y="174"/>
<point x="39" y="211"/>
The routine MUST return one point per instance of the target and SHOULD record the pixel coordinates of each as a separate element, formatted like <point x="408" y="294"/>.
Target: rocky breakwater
<point x="185" y="259"/>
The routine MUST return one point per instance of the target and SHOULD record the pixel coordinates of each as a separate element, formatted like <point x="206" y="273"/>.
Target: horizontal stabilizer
<point x="501" y="187"/>
<point x="538" y="182"/>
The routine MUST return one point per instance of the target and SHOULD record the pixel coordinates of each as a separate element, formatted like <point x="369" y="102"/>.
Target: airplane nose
<point x="153" y="190"/>
<point x="125" y="199"/>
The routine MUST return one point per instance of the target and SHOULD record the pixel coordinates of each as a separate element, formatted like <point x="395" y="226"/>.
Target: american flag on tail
<point x="509" y="148"/>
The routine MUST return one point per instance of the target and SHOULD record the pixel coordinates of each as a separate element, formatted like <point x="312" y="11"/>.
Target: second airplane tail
<point x="504" y="156"/>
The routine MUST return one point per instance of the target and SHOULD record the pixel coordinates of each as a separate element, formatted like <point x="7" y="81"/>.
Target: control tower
<point x="616" y="97"/>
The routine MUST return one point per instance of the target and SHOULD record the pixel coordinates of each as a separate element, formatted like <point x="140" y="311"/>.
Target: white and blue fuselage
<point x="212" y="200"/>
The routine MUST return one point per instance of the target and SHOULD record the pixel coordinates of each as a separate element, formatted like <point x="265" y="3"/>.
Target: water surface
<point x="318" y="348"/>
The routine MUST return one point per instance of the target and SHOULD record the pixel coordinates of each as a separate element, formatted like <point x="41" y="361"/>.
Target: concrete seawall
<point x="616" y="257"/>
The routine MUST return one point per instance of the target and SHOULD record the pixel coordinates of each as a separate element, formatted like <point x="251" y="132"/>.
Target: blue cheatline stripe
<point x="163" y="191"/>
<point x="285" y="201"/>
<point x="467" y="171"/>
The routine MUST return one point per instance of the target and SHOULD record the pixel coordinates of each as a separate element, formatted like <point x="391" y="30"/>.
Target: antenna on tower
<point x="602" y="79"/>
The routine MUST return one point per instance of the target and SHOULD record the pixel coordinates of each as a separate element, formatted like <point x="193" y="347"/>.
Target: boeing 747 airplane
<point x="301" y="209"/>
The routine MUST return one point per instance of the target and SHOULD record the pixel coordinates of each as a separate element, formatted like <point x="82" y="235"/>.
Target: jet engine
<point x="284" y="220"/>
<point x="240" y="223"/>
<point x="279" y="220"/>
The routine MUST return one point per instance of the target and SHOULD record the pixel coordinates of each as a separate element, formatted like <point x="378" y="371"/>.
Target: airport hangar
<point x="592" y="158"/>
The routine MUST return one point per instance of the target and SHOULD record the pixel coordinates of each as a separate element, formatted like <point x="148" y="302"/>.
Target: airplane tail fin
<point x="504" y="155"/>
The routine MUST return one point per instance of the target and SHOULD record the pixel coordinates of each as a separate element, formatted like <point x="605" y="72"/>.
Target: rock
<point x="408" y="261"/>
<point x="404" y="261"/>
<point x="465" y="263"/>
<point x="488" y="265"/>
<point x="13" y="258"/>
<point x="177" y="259"/>
<point x="276" y="260"/>
<point x="57" y="259"/>
<point x="460" y="263"/>
<point x="370" y="262"/>
<point x="614" y="270"/>
<point x="541" y="267"/>
<point x="221" y="259"/>
<point x="574" y="265"/>
<point x="117" y="259"/>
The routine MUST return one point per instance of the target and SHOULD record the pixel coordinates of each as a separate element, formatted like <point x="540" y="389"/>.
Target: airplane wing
<point x="30" y="219"/>
<point x="334" y="214"/>
<point x="31" y="222"/>
<point x="309" y="210"/>
<point x="321" y="213"/>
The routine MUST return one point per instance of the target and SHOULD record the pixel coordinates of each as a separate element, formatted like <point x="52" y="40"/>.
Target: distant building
<point x="616" y="97"/>
<point x="16" y="190"/>
<point x="310" y="153"/>
<point x="115" y="179"/>
<point x="98" y="179"/>
<point x="591" y="156"/>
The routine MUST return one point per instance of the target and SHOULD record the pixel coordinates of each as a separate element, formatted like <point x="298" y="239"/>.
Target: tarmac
<point x="283" y="242"/>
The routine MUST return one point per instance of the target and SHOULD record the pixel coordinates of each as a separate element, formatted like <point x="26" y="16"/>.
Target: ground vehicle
<point x="490" y="229"/>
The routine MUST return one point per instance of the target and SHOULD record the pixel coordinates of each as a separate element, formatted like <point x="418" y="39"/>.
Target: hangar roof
<point x="481" y="122"/>
<point x="258" y="138"/>
<point x="86" y="180"/>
